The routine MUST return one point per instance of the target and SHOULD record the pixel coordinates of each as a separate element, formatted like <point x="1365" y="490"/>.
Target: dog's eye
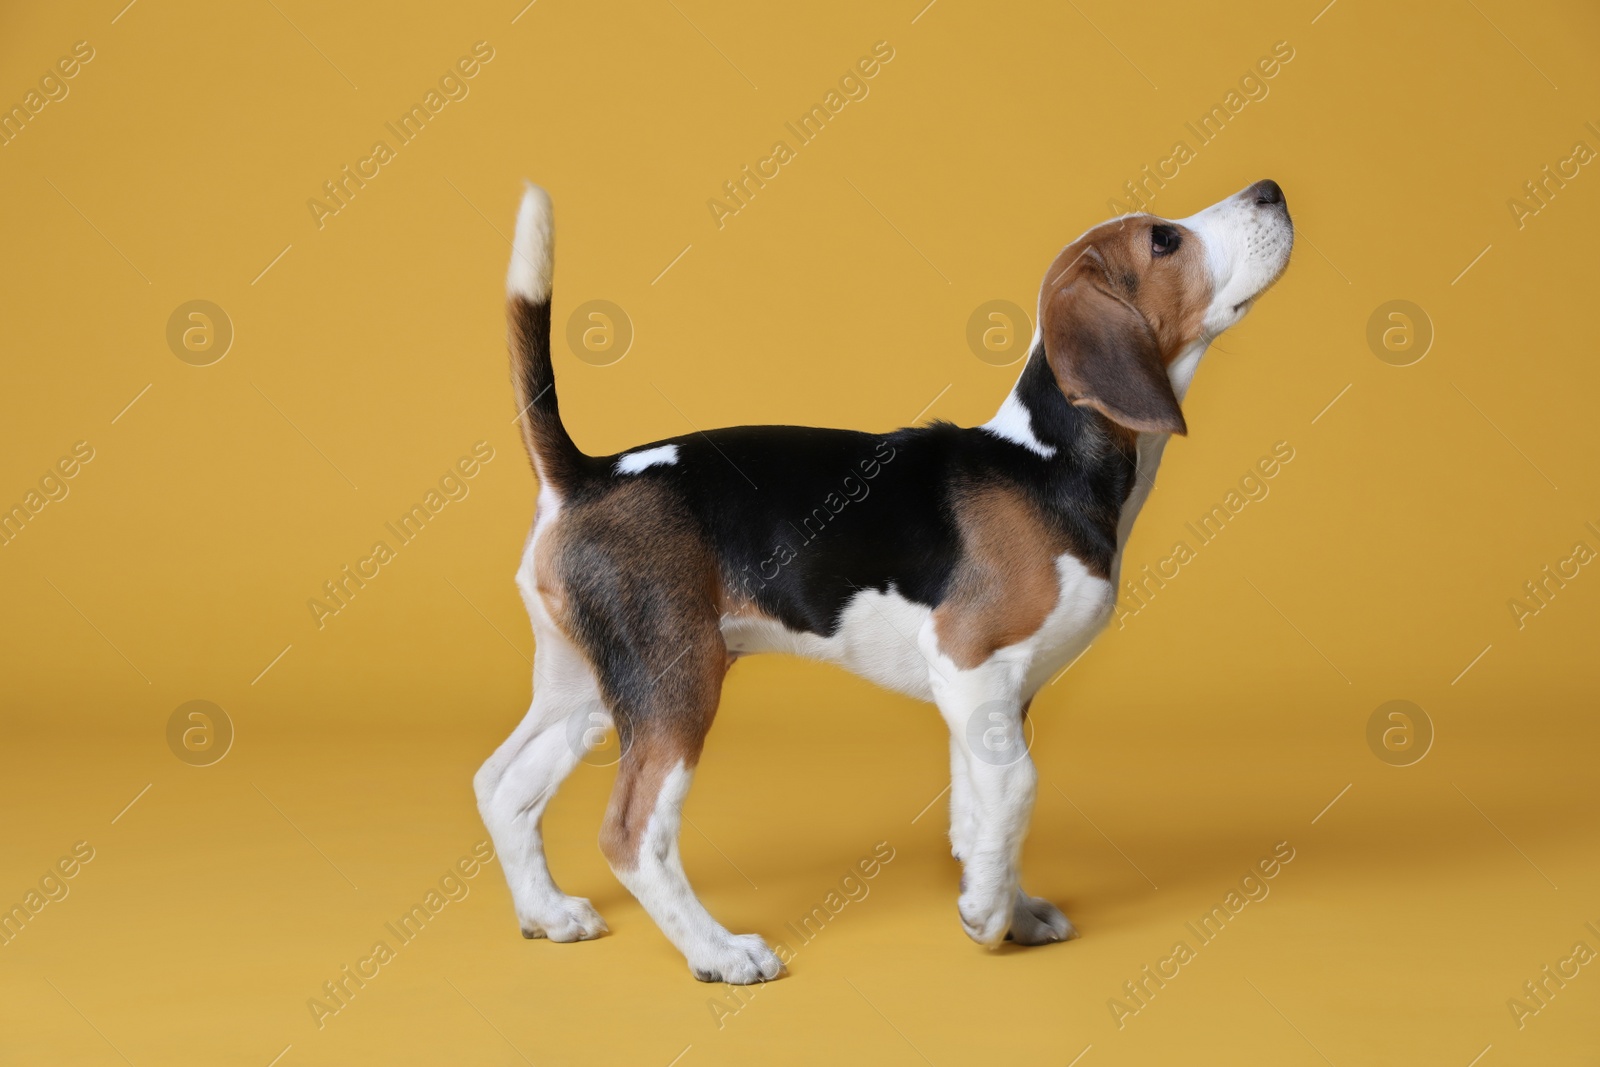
<point x="1164" y="240"/>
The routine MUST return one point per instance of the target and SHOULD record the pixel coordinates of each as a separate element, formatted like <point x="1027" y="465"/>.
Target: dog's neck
<point x="1038" y="417"/>
<point x="1151" y="445"/>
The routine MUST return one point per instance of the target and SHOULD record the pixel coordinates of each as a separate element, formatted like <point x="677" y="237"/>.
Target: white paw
<point x="740" y="959"/>
<point x="565" y="919"/>
<point x="986" y="913"/>
<point x="1036" y="921"/>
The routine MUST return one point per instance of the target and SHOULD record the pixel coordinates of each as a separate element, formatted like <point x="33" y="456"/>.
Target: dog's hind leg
<point x="662" y="727"/>
<point x="640" y="839"/>
<point x="515" y="785"/>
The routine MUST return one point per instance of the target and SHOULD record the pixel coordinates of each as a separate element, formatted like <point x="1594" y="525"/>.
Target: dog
<point x="961" y="566"/>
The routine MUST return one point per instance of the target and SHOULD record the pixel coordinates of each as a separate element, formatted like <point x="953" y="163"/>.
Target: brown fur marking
<point x="1006" y="583"/>
<point x="629" y="579"/>
<point x="633" y="798"/>
<point x="1171" y="292"/>
<point x="1114" y="316"/>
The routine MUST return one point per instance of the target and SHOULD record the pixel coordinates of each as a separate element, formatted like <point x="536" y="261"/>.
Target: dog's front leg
<point x="1034" y="920"/>
<point x="962" y="830"/>
<point x="992" y="791"/>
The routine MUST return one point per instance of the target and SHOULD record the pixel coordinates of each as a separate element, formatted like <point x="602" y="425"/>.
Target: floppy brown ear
<point x="1105" y="355"/>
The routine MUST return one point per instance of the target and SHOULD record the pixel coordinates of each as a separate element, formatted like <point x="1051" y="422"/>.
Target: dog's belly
<point x="889" y="640"/>
<point x="877" y="638"/>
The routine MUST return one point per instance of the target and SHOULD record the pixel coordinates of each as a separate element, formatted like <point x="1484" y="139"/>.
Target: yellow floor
<point x="1413" y="908"/>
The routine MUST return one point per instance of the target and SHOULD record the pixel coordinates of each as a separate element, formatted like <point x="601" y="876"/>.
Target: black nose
<point x="1266" y="192"/>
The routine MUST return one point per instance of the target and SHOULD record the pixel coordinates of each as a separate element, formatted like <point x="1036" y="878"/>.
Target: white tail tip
<point x="532" y="250"/>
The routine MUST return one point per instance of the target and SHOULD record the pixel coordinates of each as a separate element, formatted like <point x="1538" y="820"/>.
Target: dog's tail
<point x="556" y="459"/>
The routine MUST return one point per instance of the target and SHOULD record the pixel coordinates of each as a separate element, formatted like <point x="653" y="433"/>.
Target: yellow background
<point x="1221" y="720"/>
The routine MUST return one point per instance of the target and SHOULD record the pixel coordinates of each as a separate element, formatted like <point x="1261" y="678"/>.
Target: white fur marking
<point x="661" y="455"/>
<point x="1247" y="248"/>
<point x="1013" y="423"/>
<point x="532" y="250"/>
<point x="877" y="639"/>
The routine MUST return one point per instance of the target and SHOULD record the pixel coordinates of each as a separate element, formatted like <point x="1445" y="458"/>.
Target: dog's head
<point x="1126" y="300"/>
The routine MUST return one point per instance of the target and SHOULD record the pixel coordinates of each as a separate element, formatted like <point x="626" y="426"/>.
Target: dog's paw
<point x="1036" y="921"/>
<point x="566" y="919"/>
<point x="741" y="959"/>
<point x="986" y="913"/>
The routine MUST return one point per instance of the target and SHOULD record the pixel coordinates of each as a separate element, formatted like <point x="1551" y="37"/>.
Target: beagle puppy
<point x="962" y="566"/>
